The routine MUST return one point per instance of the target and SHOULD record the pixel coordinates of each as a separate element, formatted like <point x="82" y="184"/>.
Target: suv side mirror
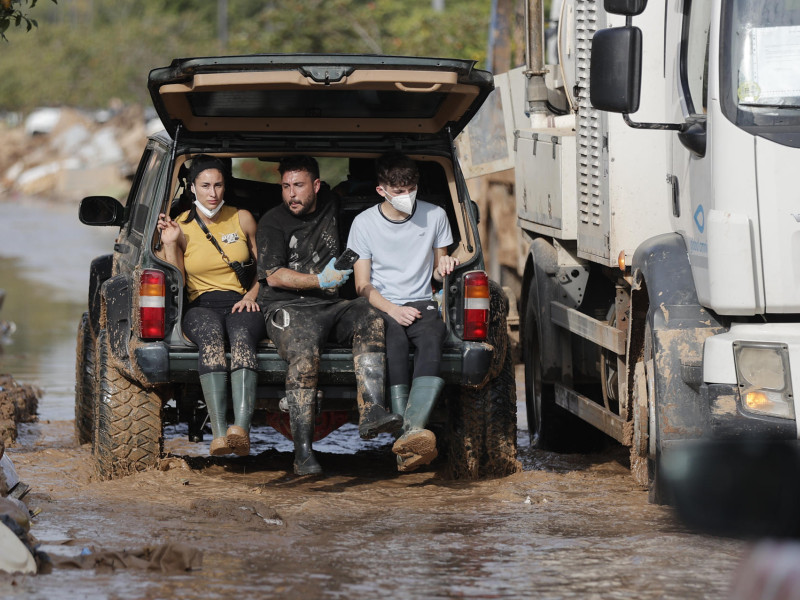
<point x="616" y="69"/>
<point x="101" y="210"/>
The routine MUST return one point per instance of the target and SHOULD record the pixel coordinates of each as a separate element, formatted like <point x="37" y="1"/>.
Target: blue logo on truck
<point x="700" y="218"/>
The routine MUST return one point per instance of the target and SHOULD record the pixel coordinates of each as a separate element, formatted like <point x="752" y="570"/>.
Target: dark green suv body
<point x="135" y="367"/>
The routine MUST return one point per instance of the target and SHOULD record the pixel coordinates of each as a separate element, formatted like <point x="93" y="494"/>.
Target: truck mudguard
<point x="663" y="262"/>
<point x="679" y="326"/>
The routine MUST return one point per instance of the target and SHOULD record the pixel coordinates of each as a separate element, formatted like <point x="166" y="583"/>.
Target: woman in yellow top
<point x="219" y="307"/>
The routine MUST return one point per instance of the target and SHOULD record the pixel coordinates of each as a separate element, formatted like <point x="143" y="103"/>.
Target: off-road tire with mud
<point x="129" y="435"/>
<point x="85" y="389"/>
<point x="482" y="422"/>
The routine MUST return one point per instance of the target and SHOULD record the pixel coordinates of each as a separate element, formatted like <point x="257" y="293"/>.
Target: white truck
<point x="656" y="186"/>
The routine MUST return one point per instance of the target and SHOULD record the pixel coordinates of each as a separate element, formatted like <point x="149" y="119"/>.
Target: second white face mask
<point x="403" y="202"/>
<point x="209" y="213"/>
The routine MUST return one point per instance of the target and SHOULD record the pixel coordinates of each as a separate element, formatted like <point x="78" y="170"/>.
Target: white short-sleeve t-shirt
<point x="401" y="251"/>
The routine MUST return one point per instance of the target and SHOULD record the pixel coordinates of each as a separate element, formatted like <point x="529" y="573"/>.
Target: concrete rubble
<point x="18" y="404"/>
<point x="18" y="548"/>
<point x="65" y="154"/>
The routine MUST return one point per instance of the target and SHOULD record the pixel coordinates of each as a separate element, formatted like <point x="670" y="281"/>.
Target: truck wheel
<point x="657" y="492"/>
<point x="645" y="451"/>
<point x="482" y="422"/>
<point x="550" y="427"/>
<point x="128" y="425"/>
<point x="84" y="382"/>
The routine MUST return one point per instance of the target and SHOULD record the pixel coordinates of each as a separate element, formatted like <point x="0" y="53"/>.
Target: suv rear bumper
<point x="465" y="364"/>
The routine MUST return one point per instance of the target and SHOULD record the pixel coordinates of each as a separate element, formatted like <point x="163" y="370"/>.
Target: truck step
<point x="592" y="412"/>
<point x="585" y="326"/>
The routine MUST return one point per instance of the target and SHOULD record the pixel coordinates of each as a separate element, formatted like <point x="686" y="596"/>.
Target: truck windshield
<point x="760" y="70"/>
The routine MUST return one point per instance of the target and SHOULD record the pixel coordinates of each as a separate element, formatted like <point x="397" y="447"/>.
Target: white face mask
<point x="402" y="202"/>
<point x="208" y="213"/>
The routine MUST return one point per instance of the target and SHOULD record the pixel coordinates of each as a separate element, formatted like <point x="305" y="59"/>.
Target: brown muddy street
<point x="566" y="527"/>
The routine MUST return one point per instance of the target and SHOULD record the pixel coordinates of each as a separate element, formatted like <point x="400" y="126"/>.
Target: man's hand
<point x="331" y="278"/>
<point x="446" y="266"/>
<point x="405" y="315"/>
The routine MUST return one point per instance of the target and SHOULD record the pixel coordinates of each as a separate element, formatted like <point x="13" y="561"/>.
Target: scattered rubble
<point x="18" y="548"/>
<point x="18" y="404"/>
<point x="73" y="154"/>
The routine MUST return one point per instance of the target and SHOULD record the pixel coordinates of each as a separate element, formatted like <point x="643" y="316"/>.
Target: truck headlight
<point x="764" y="378"/>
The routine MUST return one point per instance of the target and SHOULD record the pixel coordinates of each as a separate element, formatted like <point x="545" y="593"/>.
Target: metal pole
<point x="534" y="56"/>
<point x="222" y="23"/>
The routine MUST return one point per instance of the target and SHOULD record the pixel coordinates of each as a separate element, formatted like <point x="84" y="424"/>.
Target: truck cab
<point x="659" y="300"/>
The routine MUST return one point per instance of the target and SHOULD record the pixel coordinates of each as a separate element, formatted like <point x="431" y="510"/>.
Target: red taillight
<point x="151" y="304"/>
<point x="476" y="306"/>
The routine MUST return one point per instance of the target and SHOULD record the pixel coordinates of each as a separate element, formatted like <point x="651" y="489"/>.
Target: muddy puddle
<point x="566" y="527"/>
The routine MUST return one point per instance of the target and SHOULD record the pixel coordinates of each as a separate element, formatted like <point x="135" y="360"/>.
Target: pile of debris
<point x="65" y="154"/>
<point x="18" y="404"/>
<point x="18" y="548"/>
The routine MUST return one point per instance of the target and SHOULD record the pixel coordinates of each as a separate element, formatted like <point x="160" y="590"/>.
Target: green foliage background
<point x="87" y="52"/>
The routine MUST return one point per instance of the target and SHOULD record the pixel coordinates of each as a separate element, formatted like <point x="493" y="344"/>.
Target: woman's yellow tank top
<point x="206" y="271"/>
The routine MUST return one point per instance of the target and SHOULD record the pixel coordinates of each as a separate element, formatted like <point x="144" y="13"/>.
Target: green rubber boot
<point x="399" y="397"/>
<point x="370" y="370"/>
<point x="417" y="446"/>
<point x="302" y="413"/>
<point x="215" y="394"/>
<point x="243" y="393"/>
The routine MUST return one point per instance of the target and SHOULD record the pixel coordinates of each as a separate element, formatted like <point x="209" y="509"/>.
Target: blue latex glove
<point x="332" y="278"/>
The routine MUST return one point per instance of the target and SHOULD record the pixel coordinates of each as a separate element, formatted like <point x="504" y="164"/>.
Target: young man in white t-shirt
<point x="402" y="244"/>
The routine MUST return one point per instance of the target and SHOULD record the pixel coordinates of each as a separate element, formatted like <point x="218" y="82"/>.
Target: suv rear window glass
<point x="340" y="104"/>
<point x="144" y="191"/>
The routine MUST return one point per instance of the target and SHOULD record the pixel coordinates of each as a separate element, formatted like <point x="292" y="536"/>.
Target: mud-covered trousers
<point x="426" y="334"/>
<point x="209" y="323"/>
<point x="299" y="333"/>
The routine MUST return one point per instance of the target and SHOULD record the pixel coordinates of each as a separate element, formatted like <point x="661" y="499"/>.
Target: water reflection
<point x="44" y="269"/>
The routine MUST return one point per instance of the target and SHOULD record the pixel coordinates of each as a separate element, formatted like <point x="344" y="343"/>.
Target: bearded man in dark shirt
<point x="298" y="243"/>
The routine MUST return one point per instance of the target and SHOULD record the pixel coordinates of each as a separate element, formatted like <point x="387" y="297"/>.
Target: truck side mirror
<point x="616" y="69"/>
<point x="629" y="8"/>
<point x="101" y="210"/>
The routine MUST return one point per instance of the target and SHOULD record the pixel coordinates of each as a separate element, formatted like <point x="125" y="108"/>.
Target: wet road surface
<point x="568" y="526"/>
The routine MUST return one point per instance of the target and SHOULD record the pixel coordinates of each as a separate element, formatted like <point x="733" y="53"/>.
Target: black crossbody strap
<point x="211" y="239"/>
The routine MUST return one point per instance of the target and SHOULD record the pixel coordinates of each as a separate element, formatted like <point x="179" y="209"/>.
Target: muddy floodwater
<point x="568" y="526"/>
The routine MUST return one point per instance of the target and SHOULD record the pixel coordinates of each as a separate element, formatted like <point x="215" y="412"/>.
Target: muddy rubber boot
<point x="243" y="393"/>
<point x="417" y="446"/>
<point x="302" y="409"/>
<point x="215" y="394"/>
<point x="370" y="369"/>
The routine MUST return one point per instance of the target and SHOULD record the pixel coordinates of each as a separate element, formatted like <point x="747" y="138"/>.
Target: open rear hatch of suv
<point x="209" y="98"/>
